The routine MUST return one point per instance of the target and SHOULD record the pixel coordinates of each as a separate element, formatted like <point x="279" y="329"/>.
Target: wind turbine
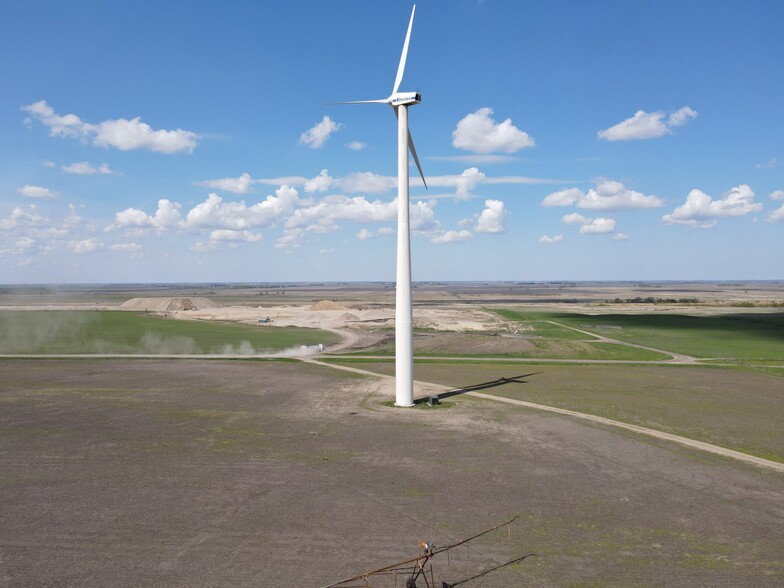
<point x="404" y="318"/>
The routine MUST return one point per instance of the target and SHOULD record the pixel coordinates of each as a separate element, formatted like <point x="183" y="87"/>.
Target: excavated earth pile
<point x="328" y="305"/>
<point x="166" y="304"/>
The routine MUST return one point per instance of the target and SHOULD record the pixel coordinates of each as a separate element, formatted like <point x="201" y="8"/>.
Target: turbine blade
<point x="402" y="65"/>
<point x="412" y="149"/>
<point x="416" y="159"/>
<point x="382" y="101"/>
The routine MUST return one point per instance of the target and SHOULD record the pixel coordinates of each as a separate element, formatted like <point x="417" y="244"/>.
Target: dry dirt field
<point x="240" y="473"/>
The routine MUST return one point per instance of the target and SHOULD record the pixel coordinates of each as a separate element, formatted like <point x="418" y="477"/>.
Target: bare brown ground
<point x="197" y="473"/>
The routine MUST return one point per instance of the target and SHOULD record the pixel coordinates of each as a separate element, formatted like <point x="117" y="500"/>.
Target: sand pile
<point x="349" y="317"/>
<point x="166" y="304"/>
<point x="328" y="305"/>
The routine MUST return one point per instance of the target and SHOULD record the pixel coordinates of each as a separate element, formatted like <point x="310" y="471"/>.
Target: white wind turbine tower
<point x="404" y="319"/>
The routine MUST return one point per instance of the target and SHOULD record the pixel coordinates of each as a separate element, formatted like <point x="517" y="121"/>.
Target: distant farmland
<point x="57" y="332"/>
<point x="729" y="336"/>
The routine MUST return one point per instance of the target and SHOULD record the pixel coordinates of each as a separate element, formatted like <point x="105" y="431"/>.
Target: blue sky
<point x="193" y="141"/>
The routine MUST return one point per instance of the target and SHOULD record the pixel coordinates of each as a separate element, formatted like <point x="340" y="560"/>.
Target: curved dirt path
<point x="685" y="441"/>
<point x="678" y="358"/>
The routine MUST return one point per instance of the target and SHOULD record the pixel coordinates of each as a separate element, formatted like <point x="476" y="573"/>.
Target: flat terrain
<point x="152" y="472"/>
<point x="191" y="472"/>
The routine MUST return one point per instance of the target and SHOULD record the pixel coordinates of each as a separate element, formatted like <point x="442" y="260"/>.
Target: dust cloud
<point x="75" y="333"/>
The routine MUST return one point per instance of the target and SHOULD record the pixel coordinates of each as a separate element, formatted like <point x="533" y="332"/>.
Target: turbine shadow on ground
<point x="481" y="386"/>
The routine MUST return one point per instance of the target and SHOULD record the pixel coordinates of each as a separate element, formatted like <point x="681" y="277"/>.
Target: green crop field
<point x="40" y="332"/>
<point x="579" y="350"/>
<point x="541" y="349"/>
<point x="735" y="336"/>
<point x="727" y="407"/>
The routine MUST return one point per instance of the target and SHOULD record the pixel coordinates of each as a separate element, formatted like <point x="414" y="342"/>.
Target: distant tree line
<point x="738" y="304"/>
<point x="652" y="300"/>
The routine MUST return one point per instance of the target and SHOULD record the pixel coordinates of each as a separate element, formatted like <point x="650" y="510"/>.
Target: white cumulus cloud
<point x="464" y="184"/>
<point x="777" y="195"/>
<point x="598" y="226"/>
<point x="588" y="225"/>
<point x="776" y="216"/>
<point x="700" y="211"/>
<point x="451" y="237"/>
<point x="367" y="182"/>
<point x="607" y="195"/>
<point x="215" y="213"/>
<point x="316" y="137"/>
<point x="547" y="240"/>
<point x="127" y="135"/>
<point x="681" y="117"/>
<point x="357" y="145"/>
<point x="167" y="216"/>
<point x="85" y="246"/>
<point x="478" y="132"/>
<point x="647" y="125"/>
<point x="132" y="217"/>
<point x="320" y="183"/>
<point x="575" y="219"/>
<point x="332" y="209"/>
<point x="234" y="236"/>
<point x="491" y="219"/>
<point x="37" y="192"/>
<point x="240" y="185"/>
<point x="84" y="168"/>
<point x="563" y="197"/>
<point x="121" y="133"/>
<point x="364" y="234"/>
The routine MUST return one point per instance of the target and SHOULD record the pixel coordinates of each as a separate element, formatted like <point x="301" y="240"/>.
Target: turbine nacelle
<point x="404" y="98"/>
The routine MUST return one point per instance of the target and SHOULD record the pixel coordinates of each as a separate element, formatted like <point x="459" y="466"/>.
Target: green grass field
<point x="542" y="349"/>
<point x="590" y="350"/>
<point x="727" y="407"/>
<point x="540" y="340"/>
<point x="736" y="336"/>
<point x="43" y="332"/>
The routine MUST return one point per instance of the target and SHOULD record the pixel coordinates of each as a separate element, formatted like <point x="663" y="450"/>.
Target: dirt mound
<point x="349" y="317"/>
<point x="166" y="304"/>
<point x="328" y="305"/>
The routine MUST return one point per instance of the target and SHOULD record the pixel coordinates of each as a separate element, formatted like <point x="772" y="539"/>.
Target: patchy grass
<point x="220" y="473"/>
<point x="470" y="345"/>
<point x="578" y="350"/>
<point x="32" y="332"/>
<point x="734" y="336"/>
<point x="727" y="407"/>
